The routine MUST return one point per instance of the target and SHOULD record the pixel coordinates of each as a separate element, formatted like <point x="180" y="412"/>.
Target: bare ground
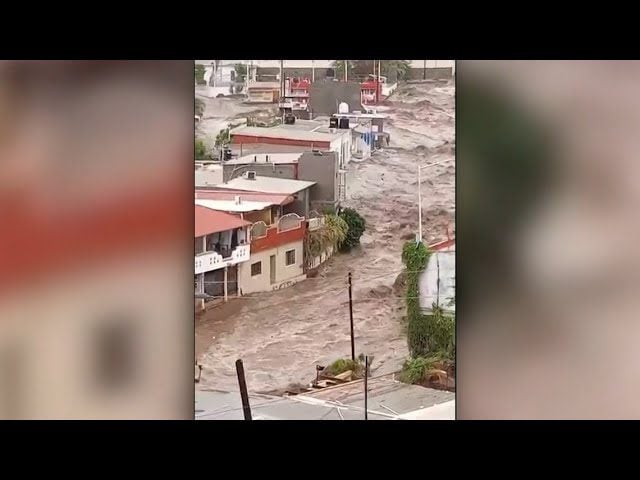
<point x="281" y="336"/>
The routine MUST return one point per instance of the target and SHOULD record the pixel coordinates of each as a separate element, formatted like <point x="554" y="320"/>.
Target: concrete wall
<point x="284" y="273"/>
<point x="435" y="69"/>
<point x="282" y="170"/>
<point x="300" y="205"/>
<point x="342" y="147"/>
<point x="314" y="168"/>
<point x="324" y="96"/>
<point x="322" y="169"/>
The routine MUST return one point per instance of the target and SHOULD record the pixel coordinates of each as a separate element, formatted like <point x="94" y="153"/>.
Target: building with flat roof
<point x="319" y="167"/>
<point x="263" y="92"/>
<point x="299" y="189"/>
<point x="304" y="133"/>
<point x="276" y="236"/>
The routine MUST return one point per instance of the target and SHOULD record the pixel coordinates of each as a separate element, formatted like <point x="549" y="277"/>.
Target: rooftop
<point x="233" y="206"/>
<point x="385" y="395"/>
<point x="252" y="148"/>
<point x="262" y="158"/>
<point x="441" y="411"/>
<point x="219" y="405"/>
<point x="267" y="185"/>
<point x="387" y="400"/>
<point x="296" y="131"/>
<point x="230" y="194"/>
<point x="211" y="221"/>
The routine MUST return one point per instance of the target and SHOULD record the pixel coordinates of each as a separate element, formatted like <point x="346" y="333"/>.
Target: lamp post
<point x="420" y="167"/>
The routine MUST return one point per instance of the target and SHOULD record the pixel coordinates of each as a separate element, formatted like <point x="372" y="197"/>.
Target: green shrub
<point x="356" y="225"/>
<point x="344" y="364"/>
<point x="332" y="234"/>
<point x="201" y="150"/>
<point x="415" y="257"/>
<point x="415" y="370"/>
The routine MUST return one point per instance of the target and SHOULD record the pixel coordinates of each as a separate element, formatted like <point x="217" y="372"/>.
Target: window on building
<point x="290" y="257"/>
<point x="256" y="269"/>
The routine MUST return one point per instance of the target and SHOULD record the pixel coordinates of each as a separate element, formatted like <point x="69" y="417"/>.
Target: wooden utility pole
<point x="244" y="395"/>
<point x="353" y="347"/>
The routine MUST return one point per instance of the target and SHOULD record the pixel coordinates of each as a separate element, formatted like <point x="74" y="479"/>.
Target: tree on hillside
<point x="393" y="69"/>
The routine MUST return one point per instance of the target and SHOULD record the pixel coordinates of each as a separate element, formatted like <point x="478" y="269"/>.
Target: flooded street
<point x="281" y="336"/>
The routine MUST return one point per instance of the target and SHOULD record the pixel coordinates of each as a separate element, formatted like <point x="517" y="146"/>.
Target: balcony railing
<point x="290" y="221"/>
<point x="286" y="229"/>
<point x="208" y="261"/>
<point x="259" y="230"/>
<point x="316" y="223"/>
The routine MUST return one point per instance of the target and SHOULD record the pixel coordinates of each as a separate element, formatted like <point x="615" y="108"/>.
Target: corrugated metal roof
<point x="268" y="185"/>
<point x="211" y="221"/>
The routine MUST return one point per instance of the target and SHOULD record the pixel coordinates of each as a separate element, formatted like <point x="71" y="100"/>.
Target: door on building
<point x="232" y="280"/>
<point x="272" y="269"/>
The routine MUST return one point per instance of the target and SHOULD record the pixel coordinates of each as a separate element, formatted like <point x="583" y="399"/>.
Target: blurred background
<point x="96" y="202"/>
<point x="548" y="199"/>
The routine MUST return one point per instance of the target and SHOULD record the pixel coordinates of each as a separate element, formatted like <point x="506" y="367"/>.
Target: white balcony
<point x="316" y="223"/>
<point x="208" y="261"/>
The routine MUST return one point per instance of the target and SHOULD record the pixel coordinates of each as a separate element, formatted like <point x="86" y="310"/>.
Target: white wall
<point x="337" y="145"/>
<point x="433" y="64"/>
<point x="284" y="273"/>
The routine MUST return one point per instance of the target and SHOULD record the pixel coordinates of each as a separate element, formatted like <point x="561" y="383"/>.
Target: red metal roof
<point x="228" y="194"/>
<point x="212" y="221"/>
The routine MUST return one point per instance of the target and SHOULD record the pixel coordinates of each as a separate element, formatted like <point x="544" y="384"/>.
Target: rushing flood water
<point x="281" y="336"/>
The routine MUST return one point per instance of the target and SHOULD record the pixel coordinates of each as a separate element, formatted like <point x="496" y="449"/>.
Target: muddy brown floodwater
<point x="282" y="335"/>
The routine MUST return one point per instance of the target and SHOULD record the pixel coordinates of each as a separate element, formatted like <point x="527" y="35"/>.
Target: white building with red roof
<point x="221" y="243"/>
